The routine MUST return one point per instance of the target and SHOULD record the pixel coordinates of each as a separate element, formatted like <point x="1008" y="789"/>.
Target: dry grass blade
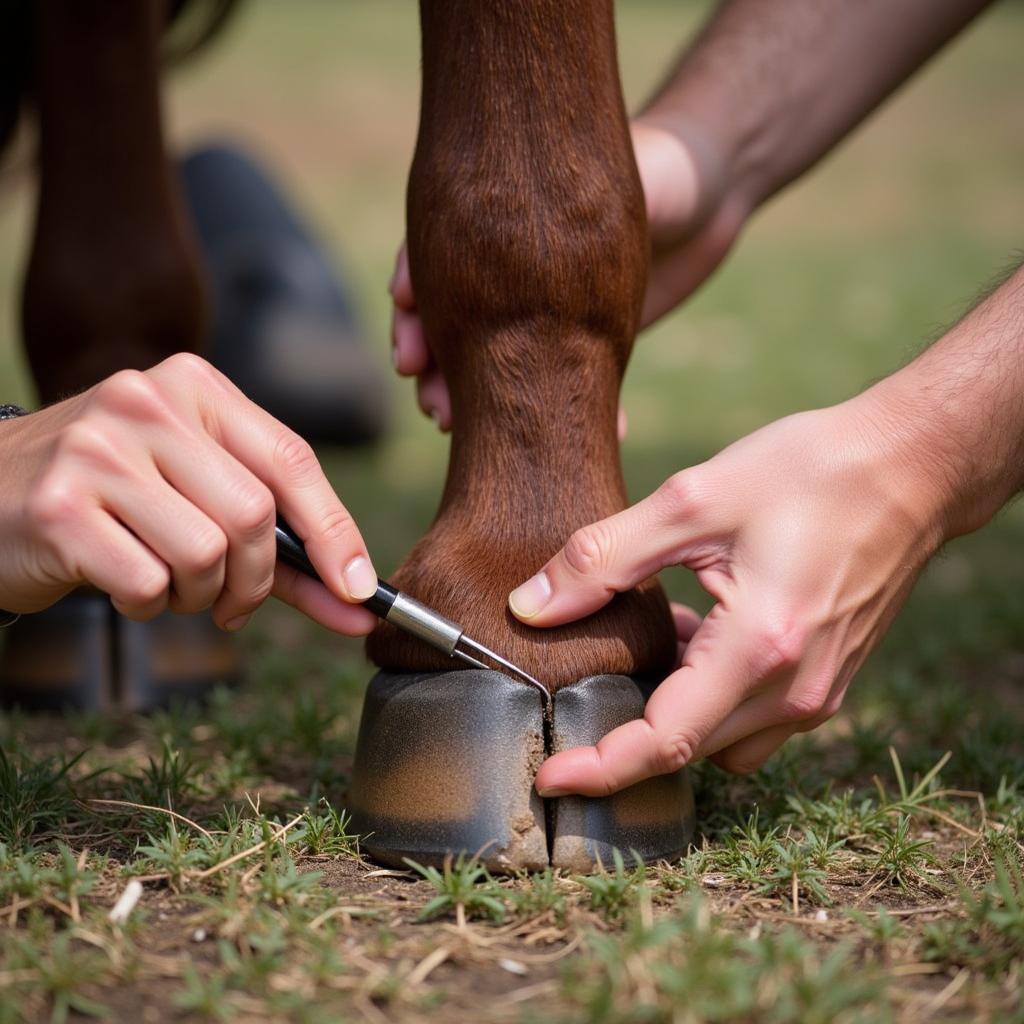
<point x="159" y="810"/>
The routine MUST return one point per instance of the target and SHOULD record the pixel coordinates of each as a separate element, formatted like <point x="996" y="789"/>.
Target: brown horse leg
<point x="528" y="251"/>
<point x="113" y="279"/>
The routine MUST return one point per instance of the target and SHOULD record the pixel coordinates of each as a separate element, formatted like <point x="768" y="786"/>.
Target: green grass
<point x="842" y="882"/>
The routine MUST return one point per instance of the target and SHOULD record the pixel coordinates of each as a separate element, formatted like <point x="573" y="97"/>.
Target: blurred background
<point x="836" y="283"/>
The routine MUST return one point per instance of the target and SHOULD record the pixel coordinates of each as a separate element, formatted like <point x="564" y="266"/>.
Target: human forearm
<point x="959" y="408"/>
<point x="769" y="86"/>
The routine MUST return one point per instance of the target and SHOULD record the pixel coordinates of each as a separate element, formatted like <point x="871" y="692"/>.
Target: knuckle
<point x="191" y="367"/>
<point x="261" y="591"/>
<point x="256" y="594"/>
<point x="780" y="647"/>
<point x="206" y="551"/>
<point x="295" y="456"/>
<point x="586" y="552"/>
<point x="85" y="439"/>
<point x="337" y="525"/>
<point x="828" y="710"/>
<point x="682" y="494"/>
<point x="255" y="512"/>
<point x="54" y="503"/>
<point x="675" y="750"/>
<point x="147" y="587"/>
<point x="801" y="705"/>
<point x="131" y="393"/>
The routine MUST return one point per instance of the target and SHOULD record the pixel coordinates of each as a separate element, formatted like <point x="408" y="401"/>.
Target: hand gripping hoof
<point x="445" y="764"/>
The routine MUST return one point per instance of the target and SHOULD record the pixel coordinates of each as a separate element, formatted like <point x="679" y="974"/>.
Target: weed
<point x="172" y="853"/>
<point x="281" y="883"/>
<point x="537" y="894"/>
<point x="994" y="941"/>
<point x="796" y="868"/>
<point x="35" y="797"/>
<point x="167" y="780"/>
<point x="327" y="834"/>
<point x="903" y="858"/>
<point x="464" y="886"/>
<point x="612" y="894"/>
<point x="62" y="972"/>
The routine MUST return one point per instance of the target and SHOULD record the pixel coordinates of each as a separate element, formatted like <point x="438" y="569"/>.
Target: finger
<point x="284" y="463"/>
<point x="750" y="753"/>
<point x="796" y="703"/>
<point x="316" y="601"/>
<point x="677" y="272"/>
<point x="243" y="509"/>
<point x="687" y="621"/>
<point x="722" y="660"/>
<point x="113" y="560"/>
<point x="410" y="351"/>
<point x="434" y="400"/>
<point x="400" y="285"/>
<point x="187" y="540"/>
<point x="609" y="557"/>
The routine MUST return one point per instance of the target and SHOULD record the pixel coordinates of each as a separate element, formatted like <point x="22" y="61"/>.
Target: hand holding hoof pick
<point x="161" y="489"/>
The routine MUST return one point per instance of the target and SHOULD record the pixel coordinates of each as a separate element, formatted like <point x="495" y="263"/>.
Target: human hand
<point x="692" y="220"/>
<point x="162" y="489"/>
<point x="809" y="534"/>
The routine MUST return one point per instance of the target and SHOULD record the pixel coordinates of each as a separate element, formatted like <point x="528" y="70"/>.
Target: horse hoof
<point x="81" y="654"/>
<point x="445" y="764"/>
<point x="653" y="819"/>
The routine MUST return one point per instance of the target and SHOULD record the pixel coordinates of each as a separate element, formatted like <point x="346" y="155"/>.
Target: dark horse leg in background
<point x="113" y="282"/>
<point x="528" y="250"/>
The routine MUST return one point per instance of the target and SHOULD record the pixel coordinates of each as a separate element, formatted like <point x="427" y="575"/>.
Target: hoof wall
<point x="654" y="818"/>
<point x="445" y="764"/>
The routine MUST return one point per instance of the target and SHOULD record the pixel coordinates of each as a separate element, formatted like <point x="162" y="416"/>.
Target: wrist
<point x="924" y="456"/>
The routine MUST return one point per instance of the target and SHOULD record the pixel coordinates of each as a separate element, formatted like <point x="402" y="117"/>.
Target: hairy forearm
<point x="957" y="412"/>
<point x="769" y="86"/>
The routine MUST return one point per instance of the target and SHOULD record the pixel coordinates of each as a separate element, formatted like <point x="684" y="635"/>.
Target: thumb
<point x="609" y="557"/>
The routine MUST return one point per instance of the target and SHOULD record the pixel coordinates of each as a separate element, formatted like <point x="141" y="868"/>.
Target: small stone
<point x="199" y="935"/>
<point x="512" y="966"/>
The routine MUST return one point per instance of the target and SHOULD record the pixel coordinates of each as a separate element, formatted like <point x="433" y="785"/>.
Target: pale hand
<point x="808" y="534"/>
<point x="161" y="489"/>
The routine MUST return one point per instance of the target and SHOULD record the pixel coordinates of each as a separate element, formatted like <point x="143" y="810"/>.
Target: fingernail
<point x="527" y="600"/>
<point x="235" y="624"/>
<point x="552" y="792"/>
<point x="360" y="579"/>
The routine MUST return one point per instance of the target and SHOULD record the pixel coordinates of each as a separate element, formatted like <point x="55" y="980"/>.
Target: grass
<point x="870" y="872"/>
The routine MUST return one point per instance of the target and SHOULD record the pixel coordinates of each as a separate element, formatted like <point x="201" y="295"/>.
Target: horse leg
<point x="113" y="282"/>
<point x="528" y="251"/>
<point x="114" y="279"/>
